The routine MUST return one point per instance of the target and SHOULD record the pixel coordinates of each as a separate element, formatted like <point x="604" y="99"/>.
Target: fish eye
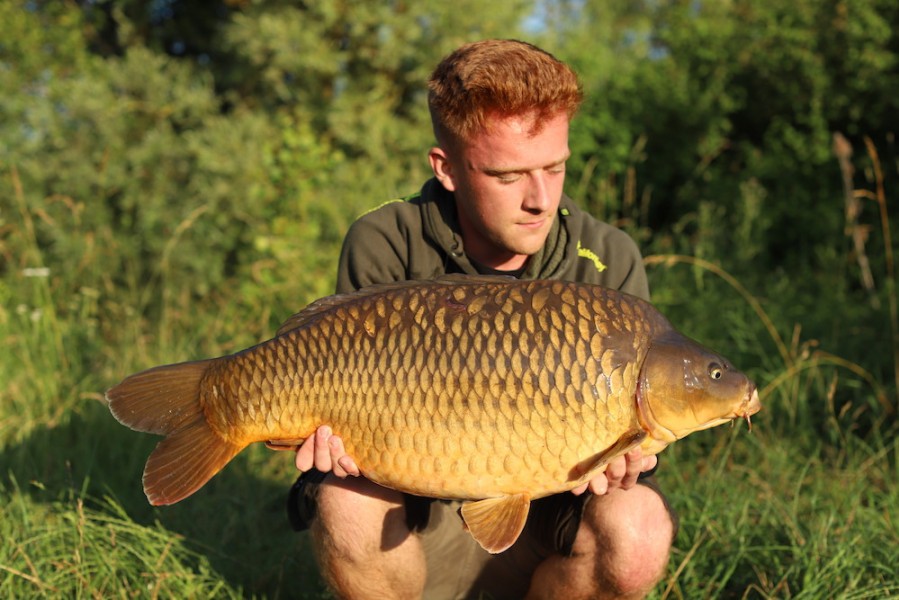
<point x="715" y="371"/>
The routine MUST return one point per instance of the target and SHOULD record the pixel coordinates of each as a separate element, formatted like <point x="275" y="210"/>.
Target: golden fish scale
<point x="467" y="391"/>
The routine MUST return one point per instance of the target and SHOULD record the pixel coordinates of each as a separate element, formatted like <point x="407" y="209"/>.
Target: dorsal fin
<point x="464" y="278"/>
<point x="495" y="523"/>
<point x="329" y="303"/>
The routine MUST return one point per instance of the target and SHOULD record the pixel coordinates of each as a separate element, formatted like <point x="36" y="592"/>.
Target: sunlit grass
<point x="64" y="549"/>
<point x="804" y="506"/>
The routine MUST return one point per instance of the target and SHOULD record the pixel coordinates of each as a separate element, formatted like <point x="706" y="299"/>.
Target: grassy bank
<point x="804" y="506"/>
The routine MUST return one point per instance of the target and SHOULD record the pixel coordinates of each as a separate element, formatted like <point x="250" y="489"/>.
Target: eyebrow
<point x="492" y="171"/>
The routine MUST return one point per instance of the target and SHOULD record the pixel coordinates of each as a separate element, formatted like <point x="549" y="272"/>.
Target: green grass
<point x="804" y="506"/>
<point x="767" y="516"/>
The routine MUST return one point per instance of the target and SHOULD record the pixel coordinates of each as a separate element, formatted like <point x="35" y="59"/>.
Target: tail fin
<point x="166" y="401"/>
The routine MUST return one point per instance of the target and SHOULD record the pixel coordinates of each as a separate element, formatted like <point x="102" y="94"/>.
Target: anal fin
<point x="495" y="523"/>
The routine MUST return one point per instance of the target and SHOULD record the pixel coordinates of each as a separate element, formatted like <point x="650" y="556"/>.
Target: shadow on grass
<point x="238" y="520"/>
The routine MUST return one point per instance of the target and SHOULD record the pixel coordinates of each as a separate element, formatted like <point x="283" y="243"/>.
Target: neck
<point x="513" y="263"/>
<point x="485" y="270"/>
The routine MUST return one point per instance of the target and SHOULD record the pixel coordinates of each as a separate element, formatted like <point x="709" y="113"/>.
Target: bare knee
<point x="362" y="542"/>
<point x="357" y="518"/>
<point x="629" y="533"/>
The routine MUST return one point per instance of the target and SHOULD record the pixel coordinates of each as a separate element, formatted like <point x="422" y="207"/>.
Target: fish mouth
<point x="749" y="407"/>
<point x="664" y="435"/>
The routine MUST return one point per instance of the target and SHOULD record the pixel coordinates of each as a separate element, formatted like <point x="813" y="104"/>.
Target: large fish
<point x="492" y="390"/>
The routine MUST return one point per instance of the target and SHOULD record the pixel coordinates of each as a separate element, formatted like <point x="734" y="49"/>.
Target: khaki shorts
<point x="458" y="568"/>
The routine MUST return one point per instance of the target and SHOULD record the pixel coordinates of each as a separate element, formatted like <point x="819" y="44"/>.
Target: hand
<point x="325" y="452"/>
<point x="621" y="473"/>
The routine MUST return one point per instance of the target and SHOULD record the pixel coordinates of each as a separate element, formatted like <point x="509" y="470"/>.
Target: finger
<point x="580" y="489"/>
<point x="322" y="451"/>
<point x="336" y="452"/>
<point x="305" y="456"/>
<point x="615" y="471"/>
<point x="650" y="462"/>
<point x="599" y="485"/>
<point x="633" y="467"/>
<point x="349" y="465"/>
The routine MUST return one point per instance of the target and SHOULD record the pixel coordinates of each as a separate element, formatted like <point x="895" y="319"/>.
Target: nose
<point x="537" y="197"/>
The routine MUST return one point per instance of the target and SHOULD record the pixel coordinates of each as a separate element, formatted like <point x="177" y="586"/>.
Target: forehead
<point x="519" y="142"/>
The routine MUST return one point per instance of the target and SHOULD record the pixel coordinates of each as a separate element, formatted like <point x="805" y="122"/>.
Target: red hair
<point x="498" y="78"/>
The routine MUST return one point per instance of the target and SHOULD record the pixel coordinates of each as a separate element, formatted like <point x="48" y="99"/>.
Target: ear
<point x="442" y="167"/>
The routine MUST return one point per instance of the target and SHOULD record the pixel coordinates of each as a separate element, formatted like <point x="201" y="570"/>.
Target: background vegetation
<point x="176" y="177"/>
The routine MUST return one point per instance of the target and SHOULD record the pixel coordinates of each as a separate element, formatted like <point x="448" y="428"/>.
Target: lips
<point x="533" y="224"/>
<point x="751" y="406"/>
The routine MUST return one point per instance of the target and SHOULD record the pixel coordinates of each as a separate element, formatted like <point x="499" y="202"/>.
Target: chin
<point x="523" y="245"/>
<point x="531" y="246"/>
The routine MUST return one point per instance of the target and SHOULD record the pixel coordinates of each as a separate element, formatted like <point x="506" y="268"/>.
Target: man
<point x="500" y="111"/>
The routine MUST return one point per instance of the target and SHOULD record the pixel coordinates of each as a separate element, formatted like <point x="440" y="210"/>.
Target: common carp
<point x="491" y="390"/>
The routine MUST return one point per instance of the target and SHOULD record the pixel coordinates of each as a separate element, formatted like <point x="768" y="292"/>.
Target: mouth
<point x="749" y="407"/>
<point x="533" y="224"/>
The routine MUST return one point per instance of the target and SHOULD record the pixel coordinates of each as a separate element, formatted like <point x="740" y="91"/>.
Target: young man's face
<point x="508" y="185"/>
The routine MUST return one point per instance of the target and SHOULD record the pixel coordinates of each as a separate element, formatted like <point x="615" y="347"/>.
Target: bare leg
<point x="362" y="543"/>
<point x="621" y="550"/>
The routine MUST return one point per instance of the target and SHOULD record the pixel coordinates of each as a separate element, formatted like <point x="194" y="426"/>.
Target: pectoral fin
<point x="495" y="523"/>
<point x="293" y="444"/>
<point x="586" y="469"/>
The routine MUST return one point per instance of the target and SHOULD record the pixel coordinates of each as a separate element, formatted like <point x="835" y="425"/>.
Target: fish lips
<point x="750" y="406"/>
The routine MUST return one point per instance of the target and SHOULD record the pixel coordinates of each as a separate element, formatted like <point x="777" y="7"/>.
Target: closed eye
<point x="508" y="177"/>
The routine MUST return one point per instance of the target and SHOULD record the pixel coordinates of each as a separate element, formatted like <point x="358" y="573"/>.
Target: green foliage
<point x="730" y="103"/>
<point x="176" y="179"/>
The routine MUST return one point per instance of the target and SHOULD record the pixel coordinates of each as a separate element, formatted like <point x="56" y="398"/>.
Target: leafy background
<point x="176" y="177"/>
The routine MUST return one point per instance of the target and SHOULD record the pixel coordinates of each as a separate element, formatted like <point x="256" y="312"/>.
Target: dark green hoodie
<point x="419" y="238"/>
